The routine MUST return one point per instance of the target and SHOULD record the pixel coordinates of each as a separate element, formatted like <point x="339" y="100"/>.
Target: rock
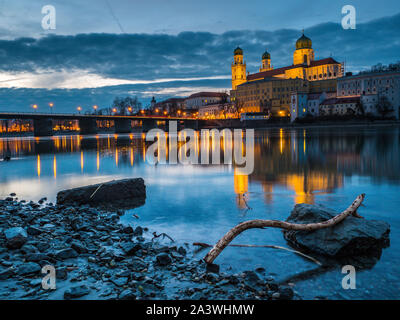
<point x="131" y="248"/>
<point x="251" y="278"/>
<point x="36" y="257"/>
<point x="33" y="231"/>
<point x="163" y="259"/>
<point x="66" y="254"/>
<point x="127" y="192"/>
<point x="78" y="247"/>
<point x="211" y="267"/>
<point x="119" y="282"/>
<point x="286" y="293"/>
<point x="7" y="273"/>
<point x="42" y="246"/>
<point x="182" y="251"/>
<point x="28" y="248"/>
<point x="138" y="231"/>
<point x="76" y="292"/>
<point x="127" y="230"/>
<point x="62" y="273"/>
<point x="127" y="295"/>
<point x="15" y="237"/>
<point x="353" y="236"/>
<point x="276" y="295"/>
<point x="28" y="269"/>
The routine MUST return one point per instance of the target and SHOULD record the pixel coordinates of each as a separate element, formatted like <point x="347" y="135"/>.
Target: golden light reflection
<point x="38" y="165"/>
<point x="55" y="167"/>
<point x="116" y="156"/>
<point x="82" y="162"/>
<point x="98" y="160"/>
<point x="241" y="185"/>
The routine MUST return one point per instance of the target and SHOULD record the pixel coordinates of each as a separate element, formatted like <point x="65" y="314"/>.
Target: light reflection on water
<point x="200" y="203"/>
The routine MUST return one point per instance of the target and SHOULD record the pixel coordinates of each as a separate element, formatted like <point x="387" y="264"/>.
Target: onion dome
<point x="303" y="43"/>
<point x="238" y="51"/>
<point x="266" y="55"/>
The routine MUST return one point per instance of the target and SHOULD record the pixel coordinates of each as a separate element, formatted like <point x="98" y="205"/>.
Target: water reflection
<point x="328" y="166"/>
<point x="307" y="162"/>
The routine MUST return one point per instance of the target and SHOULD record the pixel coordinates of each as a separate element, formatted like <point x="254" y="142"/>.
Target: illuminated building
<point x="238" y="68"/>
<point x="270" y="88"/>
<point x="197" y="100"/>
<point x="305" y="104"/>
<point x="370" y="87"/>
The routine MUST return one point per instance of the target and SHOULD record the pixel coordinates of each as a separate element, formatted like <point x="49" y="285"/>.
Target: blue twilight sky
<point x="164" y="48"/>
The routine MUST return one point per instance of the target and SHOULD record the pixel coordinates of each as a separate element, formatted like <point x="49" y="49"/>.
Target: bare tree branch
<point x="234" y="232"/>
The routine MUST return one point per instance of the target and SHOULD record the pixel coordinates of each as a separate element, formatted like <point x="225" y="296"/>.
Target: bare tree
<point x="125" y="105"/>
<point x="383" y="106"/>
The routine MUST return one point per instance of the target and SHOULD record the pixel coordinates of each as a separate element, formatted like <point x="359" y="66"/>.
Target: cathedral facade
<point x="304" y="66"/>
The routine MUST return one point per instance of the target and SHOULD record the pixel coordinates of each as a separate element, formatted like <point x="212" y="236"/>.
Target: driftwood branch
<point x="234" y="232"/>
<point x="206" y="245"/>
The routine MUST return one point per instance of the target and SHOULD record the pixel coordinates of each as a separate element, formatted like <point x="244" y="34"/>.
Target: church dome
<point x="266" y="55"/>
<point x="238" y="51"/>
<point x="303" y="43"/>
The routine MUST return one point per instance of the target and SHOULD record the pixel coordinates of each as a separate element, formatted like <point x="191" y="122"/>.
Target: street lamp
<point x="35" y="107"/>
<point x="51" y="105"/>
<point x="79" y="109"/>
<point x="95" y="108"/>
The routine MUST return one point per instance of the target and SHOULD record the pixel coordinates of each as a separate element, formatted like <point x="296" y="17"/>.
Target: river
<point x="197" y="203"/>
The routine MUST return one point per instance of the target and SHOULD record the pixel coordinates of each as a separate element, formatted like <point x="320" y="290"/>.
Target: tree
<point x="125" y="105"/>
<point x="383" y="106"/>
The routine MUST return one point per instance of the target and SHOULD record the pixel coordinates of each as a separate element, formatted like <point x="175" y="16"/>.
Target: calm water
<point x="200" y="203"/>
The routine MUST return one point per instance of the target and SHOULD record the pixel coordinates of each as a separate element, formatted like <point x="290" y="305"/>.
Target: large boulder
<point x="351" y="237"/>
<point x="126" y="193"/>
<point x="15" y="237"/>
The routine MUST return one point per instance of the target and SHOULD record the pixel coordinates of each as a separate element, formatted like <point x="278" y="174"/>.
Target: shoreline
<point x="316" y="125"/>
<point x="95" y="256"/>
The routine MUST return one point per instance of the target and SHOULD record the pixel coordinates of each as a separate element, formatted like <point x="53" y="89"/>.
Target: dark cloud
<point x="197" y="54"/>
<point x="186" y="55"/>
<point x="67" y="100"/>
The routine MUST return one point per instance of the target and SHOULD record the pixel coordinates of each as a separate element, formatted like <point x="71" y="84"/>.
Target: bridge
<point x="43" y="122"/>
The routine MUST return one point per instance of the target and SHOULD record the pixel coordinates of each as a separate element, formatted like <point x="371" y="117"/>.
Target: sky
<point x="172" y="48"/>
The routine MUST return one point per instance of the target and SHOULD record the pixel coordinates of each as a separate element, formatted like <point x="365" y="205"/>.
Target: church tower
<point x="266" y="62"/>
<point x="238" y="68"/>
<point x="304" y="53"/>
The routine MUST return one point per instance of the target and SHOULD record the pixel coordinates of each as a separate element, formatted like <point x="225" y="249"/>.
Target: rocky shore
<point x="97" y="257"/>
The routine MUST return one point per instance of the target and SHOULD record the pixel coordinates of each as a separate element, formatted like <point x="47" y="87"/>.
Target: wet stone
<point x="76" y="292"/>
<point x="15" y="237"/>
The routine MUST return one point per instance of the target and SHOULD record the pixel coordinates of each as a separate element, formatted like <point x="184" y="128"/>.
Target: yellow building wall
<point x="266" y="65"/>
<point x="298" y="56"/>
<point x="238" y="71"/>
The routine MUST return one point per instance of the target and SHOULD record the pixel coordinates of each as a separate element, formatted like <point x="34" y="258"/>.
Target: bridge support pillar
<point x="42" y="127"/>
<point x="148" y="124"/>
<point x="191" y="124"/>
<point x="122" y="126"/>
<point x="88" y="126"/>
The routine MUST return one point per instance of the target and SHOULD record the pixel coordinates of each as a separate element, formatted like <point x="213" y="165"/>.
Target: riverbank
<point x="251" y="125"/>
<point x="95" y="256"/>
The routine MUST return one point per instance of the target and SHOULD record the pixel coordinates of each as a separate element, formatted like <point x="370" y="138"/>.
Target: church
<point x="304" y="66"/>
